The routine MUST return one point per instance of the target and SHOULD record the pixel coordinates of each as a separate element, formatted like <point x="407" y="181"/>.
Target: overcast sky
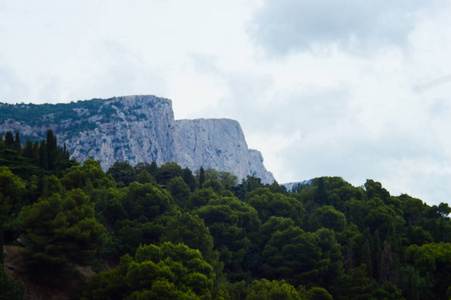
<point x="356" y="89"/>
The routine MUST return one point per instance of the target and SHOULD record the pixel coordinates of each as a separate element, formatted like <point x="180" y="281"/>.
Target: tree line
<point x="172" y="233"/>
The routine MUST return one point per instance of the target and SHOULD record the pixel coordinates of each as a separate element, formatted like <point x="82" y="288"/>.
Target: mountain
<point x="290" y="185"/>
<point x="137" y="129"/>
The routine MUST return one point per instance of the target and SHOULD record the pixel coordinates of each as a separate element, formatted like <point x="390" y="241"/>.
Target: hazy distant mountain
<point x="138" y="129"/>
<point x="289" y="186"/>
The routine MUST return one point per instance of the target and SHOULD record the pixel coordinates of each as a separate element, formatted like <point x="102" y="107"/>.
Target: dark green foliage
<point x="10" y="289"/>
<point x="231" y="222"/>
<point x="301" y="257"/>
<point x="123" y="173"/>
<point x="60" y="230"/>
<point x="168" y="171"/>
<point x="145" y="200"/>
<point x="200" y="198"/>
<point x="191" y="231"/>
<point x="268" y="290"/>
<point x="179" y="190"/>
<point x="9" y="140"/>
<point x="214" y="184"/>
<point x="189" y="179"/>
<point x="357" y="285"/>
<point x="329" y="217"/>
<point x="326" y="238"/>
<point x="169" y="271"/>
<point x="89" y="176"/>
<point x="269" y="204"/>
<point x="34" y="159"/>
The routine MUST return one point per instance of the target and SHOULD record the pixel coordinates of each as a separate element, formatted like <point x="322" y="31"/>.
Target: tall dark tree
<point x="43" y="157"/>
<point x="9" y="139"/>
<point x="321" y="195"/>
<point x="28" y="149"/>
<point x="201" y="177"/>
<point x="17" y="145"/>
<point x="52" y="149"/>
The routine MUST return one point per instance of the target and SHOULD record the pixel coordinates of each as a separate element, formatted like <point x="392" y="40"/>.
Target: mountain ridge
<point x="138" y="128"/>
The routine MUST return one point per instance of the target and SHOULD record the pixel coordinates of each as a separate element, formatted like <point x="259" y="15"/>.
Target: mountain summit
<point x="138" y="129"/>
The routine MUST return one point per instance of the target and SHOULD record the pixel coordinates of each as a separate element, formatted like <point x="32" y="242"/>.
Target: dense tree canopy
<point x="168" y="232"/>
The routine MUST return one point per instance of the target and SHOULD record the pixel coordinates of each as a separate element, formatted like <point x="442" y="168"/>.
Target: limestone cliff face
<point x="141" y="129"/>
<point x="138" y="129"/>
<point x="218" y="144"/>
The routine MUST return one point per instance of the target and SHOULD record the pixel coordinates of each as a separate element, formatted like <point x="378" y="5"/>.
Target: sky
<point x="356" y="89"/>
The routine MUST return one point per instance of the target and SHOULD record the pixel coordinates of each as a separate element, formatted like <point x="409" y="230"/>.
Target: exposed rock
<point x="138" y="129"/>
<point x="218" y="144"/>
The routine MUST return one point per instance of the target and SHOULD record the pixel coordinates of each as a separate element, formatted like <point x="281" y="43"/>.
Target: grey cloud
<point x="120" y="72"/>
<point x="288" y="26"/>
<point x="12" y="88"/>
<point x="204" y="63"/>
<point x="432" y="84"/>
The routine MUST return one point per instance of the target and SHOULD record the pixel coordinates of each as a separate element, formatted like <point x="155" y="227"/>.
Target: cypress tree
<point x="201" y="177"/>
<point x="17" y="145"/>
<point x="9" y="139"/>
<point x="35" y="155"/>
<point x="28" y="149"/>
<point x="51" y="149"/>
<point x="43" y="158"/>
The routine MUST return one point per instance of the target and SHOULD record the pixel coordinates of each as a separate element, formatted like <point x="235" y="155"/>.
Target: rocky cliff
<point x="138" y="129"/>
<point x="218" y="144"/>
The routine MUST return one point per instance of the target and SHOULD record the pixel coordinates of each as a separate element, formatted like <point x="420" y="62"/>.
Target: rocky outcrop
<point x="218" y="144"/>
<point x="138" y="129"/>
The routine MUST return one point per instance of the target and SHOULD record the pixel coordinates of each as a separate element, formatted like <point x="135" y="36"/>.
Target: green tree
<point x="230" y="222"/>
<point x="200" y="198"/>
<point x="433" y="262"/>
<point x="189" y="179"/>
<point x="9" y="140"/>
<point x="52" y="149"/>
<point x="89" y="176"/>
<point x="214" y="184"/>
<point x="272" y="290"/>
<point x="122" y="172"/>
<point x="58" y="231"/>
<point x="156" y="272"/>
<point x="43" y="157"/>
<point x="328" y="217"/>
<point x="269" y="204"/>
<point x="293" y="255"/>
<point x="167" y="172"/>
<point x="179" y="190"/>
<point x="190" y="230"/>
<point x="12" y="188"/>
<point x="145" y="200"/>
<point x="17" y="145"/>
<point x="201" y="177"/>
<point x="10" y="288"/>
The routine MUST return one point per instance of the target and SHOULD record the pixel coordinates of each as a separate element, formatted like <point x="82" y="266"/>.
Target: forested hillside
<point x="163" y="232"/>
